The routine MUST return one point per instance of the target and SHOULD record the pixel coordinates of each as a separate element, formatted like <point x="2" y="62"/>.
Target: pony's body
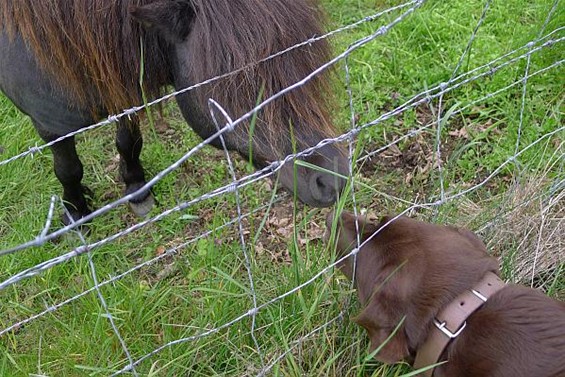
<point x="65" y="79"/>
<point x="54" y="113"/>
<point x="32" y="91"/>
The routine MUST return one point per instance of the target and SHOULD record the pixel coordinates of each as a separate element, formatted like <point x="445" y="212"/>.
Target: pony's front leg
<point x="129" y="143"/>
<point x="69" y="171"/>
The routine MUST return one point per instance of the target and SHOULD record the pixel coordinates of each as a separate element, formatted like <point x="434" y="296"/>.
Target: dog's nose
<point x="330" y="219"/>
<point x="328" y="231"/>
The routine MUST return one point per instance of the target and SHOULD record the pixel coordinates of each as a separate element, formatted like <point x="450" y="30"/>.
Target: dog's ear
<point x="386" y="283"/>
<point x="385" y="308"/>
<point x="377" y="320"/>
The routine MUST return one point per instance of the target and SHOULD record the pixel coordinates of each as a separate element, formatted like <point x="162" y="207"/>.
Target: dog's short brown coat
<point x="411" y="269"/>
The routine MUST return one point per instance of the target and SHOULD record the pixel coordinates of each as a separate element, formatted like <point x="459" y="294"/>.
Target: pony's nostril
<point x="325" y="188"/>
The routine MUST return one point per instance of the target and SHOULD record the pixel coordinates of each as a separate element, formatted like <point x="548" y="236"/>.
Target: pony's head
<point x="211" y="38"/>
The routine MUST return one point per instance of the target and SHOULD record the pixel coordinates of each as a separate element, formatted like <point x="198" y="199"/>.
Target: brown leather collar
<point x="450" y="321"/>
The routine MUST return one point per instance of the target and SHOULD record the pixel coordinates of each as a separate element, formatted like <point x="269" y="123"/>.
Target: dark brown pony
<point x="67" y="63"/>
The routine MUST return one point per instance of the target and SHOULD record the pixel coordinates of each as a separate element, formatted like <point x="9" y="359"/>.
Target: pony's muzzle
<point x="325" y="188"/>
<point x="320" y="181"/>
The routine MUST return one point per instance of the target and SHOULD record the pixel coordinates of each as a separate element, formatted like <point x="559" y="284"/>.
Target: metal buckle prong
<point x="441" y="327"/>
<point x="479" y="295"/>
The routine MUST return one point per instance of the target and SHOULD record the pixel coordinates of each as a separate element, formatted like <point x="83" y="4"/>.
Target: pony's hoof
<point x="141" y="209"/>
<point x="70" y="216"/>
<point x="84" y="228"/>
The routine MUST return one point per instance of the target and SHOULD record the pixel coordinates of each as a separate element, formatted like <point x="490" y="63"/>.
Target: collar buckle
<point x="443" y="328"/>
<point x="455" y="313"/>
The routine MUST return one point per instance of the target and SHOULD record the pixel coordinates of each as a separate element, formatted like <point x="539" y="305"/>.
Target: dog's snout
<point x="330" y="219"/>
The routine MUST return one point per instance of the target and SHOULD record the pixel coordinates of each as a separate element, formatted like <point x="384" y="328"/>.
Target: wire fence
<point x="434" y="96"/>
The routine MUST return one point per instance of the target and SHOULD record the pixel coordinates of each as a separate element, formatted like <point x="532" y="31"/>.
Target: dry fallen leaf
<point x="392" y="151"/>
<point x="285" y="231"/>
<point x="461" y="133"/>
<point x="160" y="251"/>
<point x="408" y="178"/>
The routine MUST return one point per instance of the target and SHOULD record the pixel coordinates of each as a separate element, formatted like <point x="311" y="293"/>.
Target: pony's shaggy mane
<point x="96" y="44"/>
<point x="231" y="34"/>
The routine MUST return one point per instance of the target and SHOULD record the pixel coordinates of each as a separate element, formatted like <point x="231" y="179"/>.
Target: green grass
<point x="205" y="284"/>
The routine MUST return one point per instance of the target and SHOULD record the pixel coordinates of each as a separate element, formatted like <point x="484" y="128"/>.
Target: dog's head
<point x="406" y="269"/>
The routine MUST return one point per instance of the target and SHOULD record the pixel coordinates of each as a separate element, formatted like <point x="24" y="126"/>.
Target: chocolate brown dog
<point x="413" y="273"/>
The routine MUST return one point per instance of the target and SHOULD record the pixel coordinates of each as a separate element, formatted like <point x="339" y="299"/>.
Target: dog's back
<point x="517" y="332"/>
